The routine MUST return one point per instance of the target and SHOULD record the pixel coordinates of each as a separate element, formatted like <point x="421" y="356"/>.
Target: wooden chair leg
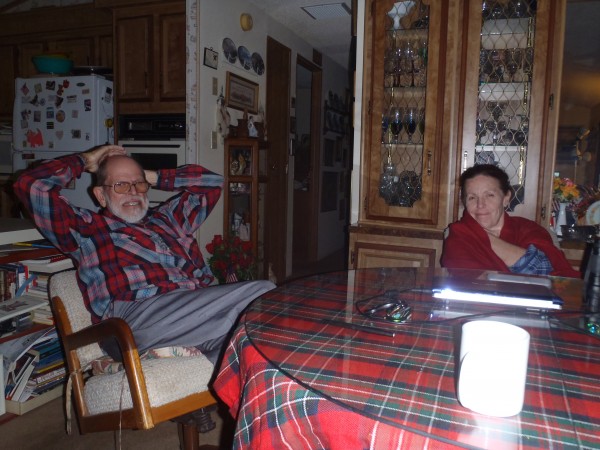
<point x="189" y="433"/>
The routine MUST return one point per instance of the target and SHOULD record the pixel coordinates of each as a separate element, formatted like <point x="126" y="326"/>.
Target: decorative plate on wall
<point x="257" y="64"/>
<point x="230" y="50"/>
<point x="245" y="57"/>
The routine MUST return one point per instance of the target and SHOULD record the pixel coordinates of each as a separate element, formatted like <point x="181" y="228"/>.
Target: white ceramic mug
<point x="493" y="367"/>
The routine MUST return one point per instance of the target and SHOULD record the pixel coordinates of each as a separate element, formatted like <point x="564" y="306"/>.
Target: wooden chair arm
<point x="113" y="327"/>
<point x="119" y="329"/>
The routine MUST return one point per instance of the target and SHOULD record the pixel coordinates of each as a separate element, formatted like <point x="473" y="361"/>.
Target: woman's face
<point x="486" y="202"/>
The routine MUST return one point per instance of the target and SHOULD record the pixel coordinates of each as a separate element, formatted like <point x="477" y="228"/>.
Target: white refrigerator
<point x="57" y="115"/>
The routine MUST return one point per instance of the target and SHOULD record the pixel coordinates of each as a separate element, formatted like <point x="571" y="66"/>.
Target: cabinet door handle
<point x="429" y="162"/>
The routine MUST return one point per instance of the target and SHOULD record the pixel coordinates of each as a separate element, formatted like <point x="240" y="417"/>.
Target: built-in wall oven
<point x="156" y="142"/>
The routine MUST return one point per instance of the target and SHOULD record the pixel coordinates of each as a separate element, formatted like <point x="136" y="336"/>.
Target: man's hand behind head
<point x="94" y="157"/>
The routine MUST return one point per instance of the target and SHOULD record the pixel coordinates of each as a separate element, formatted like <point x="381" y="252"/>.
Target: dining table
<point x="368" y="358"/>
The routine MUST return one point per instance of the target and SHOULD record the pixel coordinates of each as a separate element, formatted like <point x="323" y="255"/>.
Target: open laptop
<point x="513" y="290"/>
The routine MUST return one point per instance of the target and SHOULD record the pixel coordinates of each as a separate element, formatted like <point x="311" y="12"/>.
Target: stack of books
<point x="38" y="272"/>
<point x="34" y="365"/>
<point x="12" y="277"/>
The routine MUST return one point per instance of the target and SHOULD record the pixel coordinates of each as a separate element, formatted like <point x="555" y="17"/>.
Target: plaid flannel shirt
<point x="117" y="260"/>
<point x="533" y="262"/>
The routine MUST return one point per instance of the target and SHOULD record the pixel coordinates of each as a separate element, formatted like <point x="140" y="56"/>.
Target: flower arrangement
<point x="564" y="190"/>
<point x="232" y="259"/>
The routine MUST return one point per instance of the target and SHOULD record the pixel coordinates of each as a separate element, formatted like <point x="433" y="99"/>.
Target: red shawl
<point x="468" y="245"/>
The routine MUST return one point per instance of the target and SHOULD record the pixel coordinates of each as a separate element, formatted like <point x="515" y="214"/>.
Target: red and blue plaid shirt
<point x="117" y="260"/>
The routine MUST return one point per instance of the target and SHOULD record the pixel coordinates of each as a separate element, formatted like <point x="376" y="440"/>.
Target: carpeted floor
<point x="44" y="428"/>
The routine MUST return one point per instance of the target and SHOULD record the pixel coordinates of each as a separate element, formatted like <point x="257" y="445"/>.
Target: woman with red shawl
<point x="487" y="238"/>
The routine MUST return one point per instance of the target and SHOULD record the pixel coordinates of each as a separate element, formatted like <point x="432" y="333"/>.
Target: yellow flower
<point x="564" y="190"/>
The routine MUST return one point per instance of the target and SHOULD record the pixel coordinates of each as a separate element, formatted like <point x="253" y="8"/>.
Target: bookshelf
<point x="12" y="231"/>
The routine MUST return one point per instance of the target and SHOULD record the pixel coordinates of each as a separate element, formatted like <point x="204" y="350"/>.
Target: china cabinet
<point x="449" y="84"/>
<point x="402" y="149"/>
<point x="242" y="189"/>
<point x="404" y="178"/>
<point x="509" y="117"/>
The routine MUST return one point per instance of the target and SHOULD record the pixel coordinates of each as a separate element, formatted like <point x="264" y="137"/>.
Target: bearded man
<point x="141" y="264"/>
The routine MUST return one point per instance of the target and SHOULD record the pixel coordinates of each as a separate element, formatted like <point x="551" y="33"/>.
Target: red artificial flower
<point x="232" y="259"/>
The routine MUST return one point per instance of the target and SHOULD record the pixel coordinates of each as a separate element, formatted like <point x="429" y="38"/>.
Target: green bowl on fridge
<point x="55" y="64"/>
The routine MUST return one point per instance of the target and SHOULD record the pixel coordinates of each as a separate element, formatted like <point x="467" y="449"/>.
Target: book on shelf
<point x="14" y="390"/>
<point x="40" y="370"/>
<point x="17" y="306"/>
<point x="36" y="243"/>
<point x="12" y="350"/>
<point x="50" y="264"/>
<point x="13" y="279"/>
<point x="43" y="315"/>
<point x="37" y="369"/>
<point x="56" y="371"/>
<point x="42" y="383"/>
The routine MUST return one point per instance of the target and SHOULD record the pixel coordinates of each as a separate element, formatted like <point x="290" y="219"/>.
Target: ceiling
<point x="329" y="36"/>
<point x="581" y="72"/>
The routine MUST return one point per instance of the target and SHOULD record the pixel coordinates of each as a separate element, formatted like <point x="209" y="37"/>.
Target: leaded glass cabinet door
<point x="506" y="100"/>
<point x="405" y="92"/>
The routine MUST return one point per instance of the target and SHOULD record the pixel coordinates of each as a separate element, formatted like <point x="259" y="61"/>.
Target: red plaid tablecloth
<point x="295" y="381"/>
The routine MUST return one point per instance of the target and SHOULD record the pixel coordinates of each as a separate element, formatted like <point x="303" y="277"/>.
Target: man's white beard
<point x="133" y="216"/>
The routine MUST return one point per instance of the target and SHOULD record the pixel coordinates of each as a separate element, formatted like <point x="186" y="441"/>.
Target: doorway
<point x="306" y="163"/>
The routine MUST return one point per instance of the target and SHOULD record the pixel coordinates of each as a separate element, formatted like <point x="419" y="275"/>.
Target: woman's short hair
<point x="489" y="170"/>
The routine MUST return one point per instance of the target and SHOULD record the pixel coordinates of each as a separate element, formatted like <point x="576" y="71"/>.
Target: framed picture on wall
<point x="241" y="94"/>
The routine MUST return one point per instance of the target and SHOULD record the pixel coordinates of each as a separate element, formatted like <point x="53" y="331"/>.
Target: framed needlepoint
<point x="241" y="94"/>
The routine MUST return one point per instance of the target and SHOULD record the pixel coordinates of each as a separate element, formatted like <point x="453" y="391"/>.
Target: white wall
<point x="217" y="20"/>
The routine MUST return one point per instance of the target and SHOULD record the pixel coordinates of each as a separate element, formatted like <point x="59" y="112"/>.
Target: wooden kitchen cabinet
<point x="409" y="186"/>
<point x="150" y="58"/>
<point x="82" y="31"/>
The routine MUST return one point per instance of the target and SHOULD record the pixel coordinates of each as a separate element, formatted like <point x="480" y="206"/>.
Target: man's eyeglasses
<point x="123" y="187"/>
<point x="389" y="307"/>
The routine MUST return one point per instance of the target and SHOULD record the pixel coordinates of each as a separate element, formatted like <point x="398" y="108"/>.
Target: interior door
<point x="278" y="113"/>
<point x="306" y="165"/>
